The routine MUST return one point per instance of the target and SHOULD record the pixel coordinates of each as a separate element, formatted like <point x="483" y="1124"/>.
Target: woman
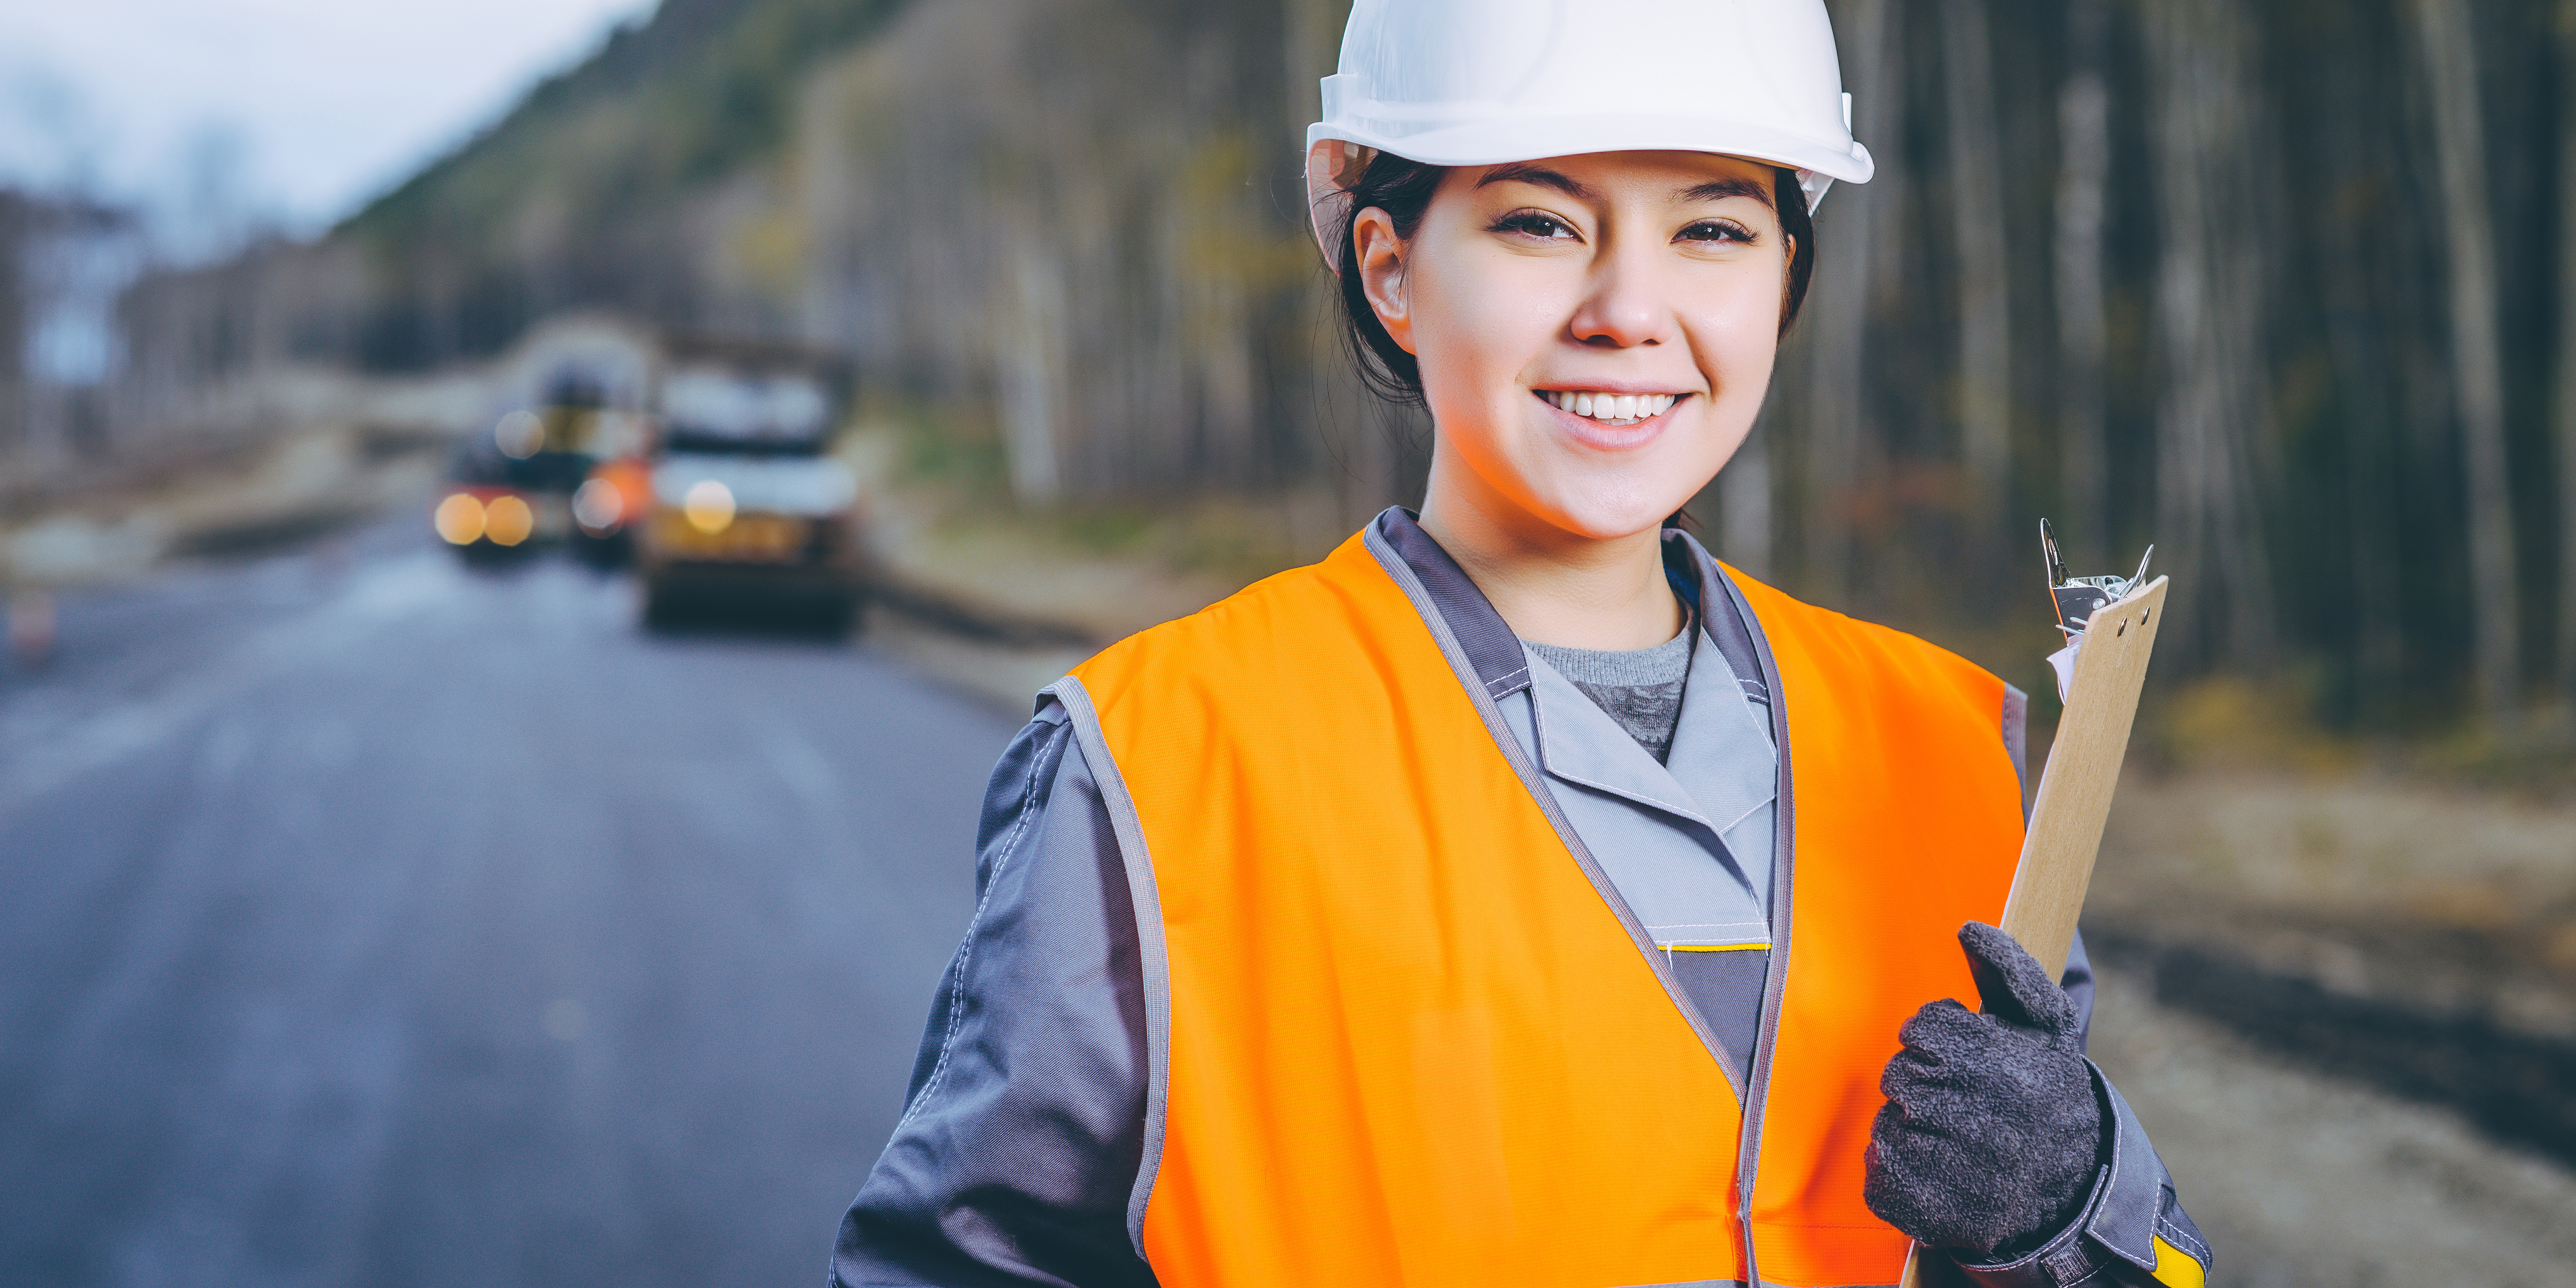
<point x="1517" y="895"/>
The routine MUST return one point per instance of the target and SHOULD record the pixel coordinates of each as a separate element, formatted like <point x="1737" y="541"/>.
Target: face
<point x="1595" y="332"/>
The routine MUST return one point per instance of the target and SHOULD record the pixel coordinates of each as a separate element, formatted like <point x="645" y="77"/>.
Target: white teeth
<point x="1611" y="407"/>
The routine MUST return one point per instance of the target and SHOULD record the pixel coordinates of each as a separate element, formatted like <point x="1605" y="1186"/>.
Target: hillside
<point x="578" y="196"/>
<point x="2188" y="272"/>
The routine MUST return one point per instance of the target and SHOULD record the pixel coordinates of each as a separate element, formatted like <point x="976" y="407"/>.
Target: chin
<point x="1603" y="496"/>
<point x="1608" y="514"/>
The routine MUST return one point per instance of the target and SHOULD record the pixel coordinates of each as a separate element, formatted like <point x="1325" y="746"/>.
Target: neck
<point x="1553" y="586"/>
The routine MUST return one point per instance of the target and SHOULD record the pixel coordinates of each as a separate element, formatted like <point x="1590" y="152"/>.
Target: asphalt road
<point x="367" y="920"/>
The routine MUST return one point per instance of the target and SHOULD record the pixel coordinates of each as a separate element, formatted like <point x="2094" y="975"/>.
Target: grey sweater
<point x="1640" y="688"/>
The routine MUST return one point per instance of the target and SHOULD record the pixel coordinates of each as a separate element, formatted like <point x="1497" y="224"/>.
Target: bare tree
<point x="2566" y="371"/>
<point x="1744" y="503"/>
<point x="2083" y="173"/>
<point x="1977" y="227"/>
<point x="1028" y="357"/>
<point x="2373" y="400"/>
<point x="2477" y="378"/>
<point x="17" y="223"/>
<point x="1858" y="217"/>
<point x="2210" y="305"/>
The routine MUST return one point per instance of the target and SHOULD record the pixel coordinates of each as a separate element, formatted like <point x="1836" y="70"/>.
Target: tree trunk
<point x="1028" y="356"/>
<point x="2477" y="379"/>
<point x="1837" y="309"/>
<point x="2359" y="340"/>
<point x="2084" y="167"/>
<point x="1744" y="504"/>
<point x="2566" y="393"/>
<point x="1985" y="311"/>
<point x="2210" y="309"/>
<point x="16" y="222"/>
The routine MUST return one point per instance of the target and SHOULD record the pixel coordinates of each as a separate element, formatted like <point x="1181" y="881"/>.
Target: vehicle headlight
<point x="508" y="520"/>
<point x="459" y="519"/>
<point x="599" y="507"/>
<point x="708" y="505"/>
<point x="519" y="434"/>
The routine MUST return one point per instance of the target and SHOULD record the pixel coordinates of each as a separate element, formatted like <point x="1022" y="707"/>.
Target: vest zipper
<point x="1783" y="892"/>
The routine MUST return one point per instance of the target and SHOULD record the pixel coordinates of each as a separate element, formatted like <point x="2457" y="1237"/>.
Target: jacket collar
<point x="1719" y="769"/>
<point x="1580" y="743"/>
<point x="1502" y="665"/>
<point x="1482" y="634"/>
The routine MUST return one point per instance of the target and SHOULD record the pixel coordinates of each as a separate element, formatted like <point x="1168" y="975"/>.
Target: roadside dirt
<point x="311" y="453"/>
<point x="2417" y="936"/>
<point x="2435" y="894"/>
<point x="2306" y="1181"/>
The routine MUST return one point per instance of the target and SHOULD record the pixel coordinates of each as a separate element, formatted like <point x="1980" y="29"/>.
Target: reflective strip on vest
<point x="1408" y="1035"/>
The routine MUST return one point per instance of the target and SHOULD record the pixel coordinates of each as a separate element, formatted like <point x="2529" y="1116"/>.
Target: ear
<point x="1788" y="274"/>
<point x="1381" y="257"/>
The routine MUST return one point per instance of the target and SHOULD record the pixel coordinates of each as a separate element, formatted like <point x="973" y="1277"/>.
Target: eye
<point x="1720" y="231"/>
<point x="1535" y="223"/>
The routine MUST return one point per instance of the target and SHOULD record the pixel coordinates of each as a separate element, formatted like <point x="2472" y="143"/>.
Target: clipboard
<point x="2074" y="801"/>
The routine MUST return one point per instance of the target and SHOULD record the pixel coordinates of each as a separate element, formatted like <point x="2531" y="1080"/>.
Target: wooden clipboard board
<point x="2065" y="831"/>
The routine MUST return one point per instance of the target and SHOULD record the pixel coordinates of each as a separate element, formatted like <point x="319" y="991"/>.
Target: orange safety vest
<point x="1400" y="1037"/>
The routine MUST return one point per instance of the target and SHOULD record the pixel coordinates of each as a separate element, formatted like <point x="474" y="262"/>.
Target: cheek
<point x="1477" y="325"/>
<point x="1736" y="336"/>
<point x="1735" y="346"/>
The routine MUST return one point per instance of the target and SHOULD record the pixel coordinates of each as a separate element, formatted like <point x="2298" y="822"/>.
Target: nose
<point x="1623" y="304"/>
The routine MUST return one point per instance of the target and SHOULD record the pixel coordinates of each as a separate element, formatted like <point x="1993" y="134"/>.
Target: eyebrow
<point x="1713" y="190"/>
<point x="1524" y="172"/>
<point x="1720" y="189"/>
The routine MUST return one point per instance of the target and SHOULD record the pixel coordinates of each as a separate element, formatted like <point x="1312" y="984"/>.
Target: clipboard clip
<point x="2075" y="599"/>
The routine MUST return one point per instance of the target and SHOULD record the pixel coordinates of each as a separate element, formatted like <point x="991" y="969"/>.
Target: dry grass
<point x="2348" y="842"/>
<point x="300" y="485"/>
<point x="2422" y="892"/>
<point x="1109" y="571"/>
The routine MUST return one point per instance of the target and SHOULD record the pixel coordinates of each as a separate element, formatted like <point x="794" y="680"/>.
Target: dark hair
<point x="1403" y="190"/>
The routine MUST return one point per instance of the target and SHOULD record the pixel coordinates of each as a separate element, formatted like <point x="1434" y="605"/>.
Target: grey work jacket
<point x="1020" y="1157"/>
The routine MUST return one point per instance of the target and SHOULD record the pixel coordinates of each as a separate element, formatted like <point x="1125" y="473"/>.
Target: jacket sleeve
<point x="1024" y="1128"/>
<point x="2132" y="1228"/>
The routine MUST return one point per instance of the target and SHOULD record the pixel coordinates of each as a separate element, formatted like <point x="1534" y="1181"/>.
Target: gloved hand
<point x="1992" y="1133"/>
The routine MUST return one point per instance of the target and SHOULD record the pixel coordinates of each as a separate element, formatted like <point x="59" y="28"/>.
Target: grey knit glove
<point x="1992" y="1132"/>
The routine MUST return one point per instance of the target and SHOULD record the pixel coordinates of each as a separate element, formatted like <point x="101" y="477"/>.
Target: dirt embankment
<point x="1002" y="603"/>
<point x="295" y="455"/>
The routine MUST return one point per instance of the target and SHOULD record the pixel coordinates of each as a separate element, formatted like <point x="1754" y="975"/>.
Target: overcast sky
<point x="302" y="109"/>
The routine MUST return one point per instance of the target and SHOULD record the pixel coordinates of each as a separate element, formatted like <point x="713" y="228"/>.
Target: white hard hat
<point x="1481" y="82"/>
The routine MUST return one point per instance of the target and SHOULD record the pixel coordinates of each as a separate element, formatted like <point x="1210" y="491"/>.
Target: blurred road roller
<point x="744" y="514"/>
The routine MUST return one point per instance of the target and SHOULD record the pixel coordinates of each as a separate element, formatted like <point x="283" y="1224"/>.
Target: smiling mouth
<point x="1610" y="409"/>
